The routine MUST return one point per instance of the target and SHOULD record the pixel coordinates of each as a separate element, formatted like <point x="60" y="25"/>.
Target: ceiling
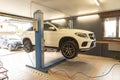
<point x="65" y="8"/>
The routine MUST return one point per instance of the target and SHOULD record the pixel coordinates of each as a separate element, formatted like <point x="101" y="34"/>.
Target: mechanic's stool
<point x="3" y="72"/>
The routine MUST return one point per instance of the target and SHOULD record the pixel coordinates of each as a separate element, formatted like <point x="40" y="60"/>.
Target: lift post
<point x="39" y="41"/>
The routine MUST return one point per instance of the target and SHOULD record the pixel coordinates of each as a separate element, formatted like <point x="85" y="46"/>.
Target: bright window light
<point x="110" y="27"/>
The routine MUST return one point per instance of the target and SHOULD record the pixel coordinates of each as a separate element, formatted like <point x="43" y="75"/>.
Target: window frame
<point x="110" y="15"/>
<point x="117" y="29"/>
<point x="47" y="27"/>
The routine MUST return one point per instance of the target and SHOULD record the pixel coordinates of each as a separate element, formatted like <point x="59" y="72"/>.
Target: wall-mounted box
<point x="114" y="47"/>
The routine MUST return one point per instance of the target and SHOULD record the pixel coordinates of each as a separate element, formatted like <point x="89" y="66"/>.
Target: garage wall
<point x="21" y="7"/>
<point x="93" y="23"/>
<point x="24" y="8"/>
<point x="27" y="8"/>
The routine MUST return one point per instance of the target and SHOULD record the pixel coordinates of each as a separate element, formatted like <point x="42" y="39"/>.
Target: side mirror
<point x="52" y="29"/>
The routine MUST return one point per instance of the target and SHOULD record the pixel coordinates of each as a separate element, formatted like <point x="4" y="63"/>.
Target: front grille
<point x="91" y="36"/>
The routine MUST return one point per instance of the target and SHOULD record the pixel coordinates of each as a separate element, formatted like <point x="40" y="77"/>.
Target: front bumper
<point x="86" y="43"/>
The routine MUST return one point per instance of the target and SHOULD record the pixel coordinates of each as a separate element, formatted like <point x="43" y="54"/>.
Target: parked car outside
<point x="11" y="42"/>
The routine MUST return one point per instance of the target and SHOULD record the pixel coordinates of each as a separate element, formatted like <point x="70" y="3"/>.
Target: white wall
<point x="27" y="8"/>
<point x="18" y="7"/>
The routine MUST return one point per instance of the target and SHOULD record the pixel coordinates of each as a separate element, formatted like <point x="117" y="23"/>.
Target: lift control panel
<point x="35" y="27"/>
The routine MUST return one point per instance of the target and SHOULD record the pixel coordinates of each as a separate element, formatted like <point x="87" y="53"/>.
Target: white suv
<point x="68" y="41"/>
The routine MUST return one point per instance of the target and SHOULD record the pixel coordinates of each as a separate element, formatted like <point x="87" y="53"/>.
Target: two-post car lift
<point x="39" y="47"/>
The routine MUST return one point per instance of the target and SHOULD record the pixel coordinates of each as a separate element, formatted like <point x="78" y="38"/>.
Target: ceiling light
<point x="58" y="21"/>
<point x="97" y="2"/>
<point x="89" y="17"/>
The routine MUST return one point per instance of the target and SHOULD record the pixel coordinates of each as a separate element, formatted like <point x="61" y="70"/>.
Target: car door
<point x="50" y="36"/>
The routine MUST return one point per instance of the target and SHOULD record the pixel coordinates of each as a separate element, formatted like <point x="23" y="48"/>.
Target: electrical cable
<point x="96" y="76"/>
<point x="72" y="77"/>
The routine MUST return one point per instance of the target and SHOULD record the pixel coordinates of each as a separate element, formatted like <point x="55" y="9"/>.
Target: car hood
<point x="75" y="30"/>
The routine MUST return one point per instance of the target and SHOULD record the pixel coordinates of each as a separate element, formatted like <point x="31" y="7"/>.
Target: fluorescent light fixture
<point x="58" y="21"/>
<point x="97" y="2"/>
<point x="89" y="17"/>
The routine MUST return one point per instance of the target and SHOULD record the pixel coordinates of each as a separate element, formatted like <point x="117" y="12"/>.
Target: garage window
<point x="111" y="25"/>
<point x="8" y="24"/>
<point x="119" y="27"/>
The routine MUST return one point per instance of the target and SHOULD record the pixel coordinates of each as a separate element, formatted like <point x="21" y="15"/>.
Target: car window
<point x="47" y="27"/>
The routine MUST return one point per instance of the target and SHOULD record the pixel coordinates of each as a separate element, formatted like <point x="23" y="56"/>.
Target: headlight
<point x="84" y="35"/>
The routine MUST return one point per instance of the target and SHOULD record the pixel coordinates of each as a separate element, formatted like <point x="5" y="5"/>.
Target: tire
<point x="69" y="49"/>
<point x="27" y="46"/>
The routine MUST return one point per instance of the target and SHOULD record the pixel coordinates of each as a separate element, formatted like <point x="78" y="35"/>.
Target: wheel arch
<point x="67" y="38"/>
<point x="26" y="39"/>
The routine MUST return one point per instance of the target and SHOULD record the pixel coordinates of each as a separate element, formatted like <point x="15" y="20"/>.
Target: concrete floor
<point x="83" y="67"/>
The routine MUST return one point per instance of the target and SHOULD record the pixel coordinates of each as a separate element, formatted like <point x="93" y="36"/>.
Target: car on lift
<point x="11" y="42"/>
<point x="68" y="41"/>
